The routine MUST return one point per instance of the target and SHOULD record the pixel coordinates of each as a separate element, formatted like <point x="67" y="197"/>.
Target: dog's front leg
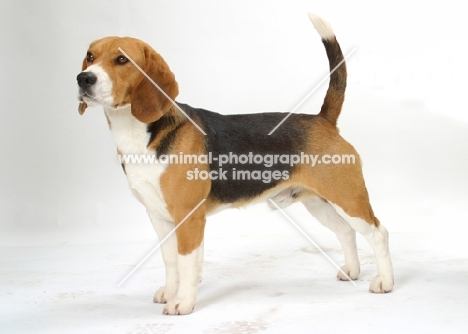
<point x="163" y="224"/>
<point x="184" y="302"/>
<point x="186" y="204"/>
<point x="189" y="248"/>
<point x="183" y="258"/>
<point x="169" y="253"/>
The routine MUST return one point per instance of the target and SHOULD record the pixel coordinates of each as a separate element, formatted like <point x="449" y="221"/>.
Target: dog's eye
<point x="120" y="60"/>
<point x="89" y="57"/>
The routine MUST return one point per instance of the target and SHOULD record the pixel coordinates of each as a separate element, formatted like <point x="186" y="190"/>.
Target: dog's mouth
<point x="92" y="101"/>
<point x="86" y="97"/>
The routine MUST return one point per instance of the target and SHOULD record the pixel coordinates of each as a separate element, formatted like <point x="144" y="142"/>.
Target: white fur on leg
<point x="378" y="239"/>
<point x="327" y="215"/>
<point x="169" y="254"/>
<point x="184" y="302"/>
<point x="384" y="282"/>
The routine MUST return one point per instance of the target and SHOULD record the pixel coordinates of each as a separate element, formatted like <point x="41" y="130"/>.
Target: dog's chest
<point x="143" y="173"/>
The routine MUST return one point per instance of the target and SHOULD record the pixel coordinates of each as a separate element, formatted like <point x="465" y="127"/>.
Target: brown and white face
<point x="109" y="79"/>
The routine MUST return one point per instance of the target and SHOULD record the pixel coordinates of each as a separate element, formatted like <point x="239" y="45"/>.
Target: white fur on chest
<point x="131" y="138"/>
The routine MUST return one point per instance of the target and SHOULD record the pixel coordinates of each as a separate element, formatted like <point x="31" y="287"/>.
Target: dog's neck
<point x="134" y="137"/>
<point x="130" y="135"/>
<point x="159" y="129"/>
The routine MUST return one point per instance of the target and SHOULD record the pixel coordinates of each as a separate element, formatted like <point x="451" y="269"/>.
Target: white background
<point x="61" y="185"/>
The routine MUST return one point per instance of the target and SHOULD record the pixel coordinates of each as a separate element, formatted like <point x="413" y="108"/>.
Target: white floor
<point x="255" y="281"/>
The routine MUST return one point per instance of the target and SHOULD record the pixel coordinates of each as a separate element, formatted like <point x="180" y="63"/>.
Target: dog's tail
<point x="334" y="98"/>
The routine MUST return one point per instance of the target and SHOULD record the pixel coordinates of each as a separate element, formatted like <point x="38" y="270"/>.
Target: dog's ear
<point x="147" y="102"/>
<point x="82" y="106"/>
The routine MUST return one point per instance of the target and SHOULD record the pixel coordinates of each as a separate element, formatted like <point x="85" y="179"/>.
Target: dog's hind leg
<point x="326" y="214"/>
<point x="343" y="188"/>
<point x="377" y="236"/>
<point x="351" y="201"/>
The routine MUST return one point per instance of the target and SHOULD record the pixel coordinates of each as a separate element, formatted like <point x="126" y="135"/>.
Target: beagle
<point x="232" y="160"/>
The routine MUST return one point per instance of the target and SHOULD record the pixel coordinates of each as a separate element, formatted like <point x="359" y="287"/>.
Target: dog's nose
<point x="86" y="79"/>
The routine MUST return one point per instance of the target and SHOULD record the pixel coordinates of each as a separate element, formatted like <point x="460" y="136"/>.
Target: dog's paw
<point x="179" y="307"/>
<point x="381" y="284"/>
<point x="352" y="273"/>
<point x="164" y="295"/>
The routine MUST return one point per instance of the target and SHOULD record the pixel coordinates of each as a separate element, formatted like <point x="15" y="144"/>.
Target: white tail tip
<point x="323" y="27"/>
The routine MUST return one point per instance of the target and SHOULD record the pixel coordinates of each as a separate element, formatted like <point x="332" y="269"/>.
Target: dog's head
<point x="112" y="77"/>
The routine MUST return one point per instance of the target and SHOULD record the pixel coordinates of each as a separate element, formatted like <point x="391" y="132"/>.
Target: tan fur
<point x="130" y="85"/>
<point x="82" y="107"/>
<point x="340" y="184"/>
<point x="182" y="195"/>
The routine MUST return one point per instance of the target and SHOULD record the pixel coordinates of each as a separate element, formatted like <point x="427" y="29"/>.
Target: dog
<point x="137" y="89"/>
